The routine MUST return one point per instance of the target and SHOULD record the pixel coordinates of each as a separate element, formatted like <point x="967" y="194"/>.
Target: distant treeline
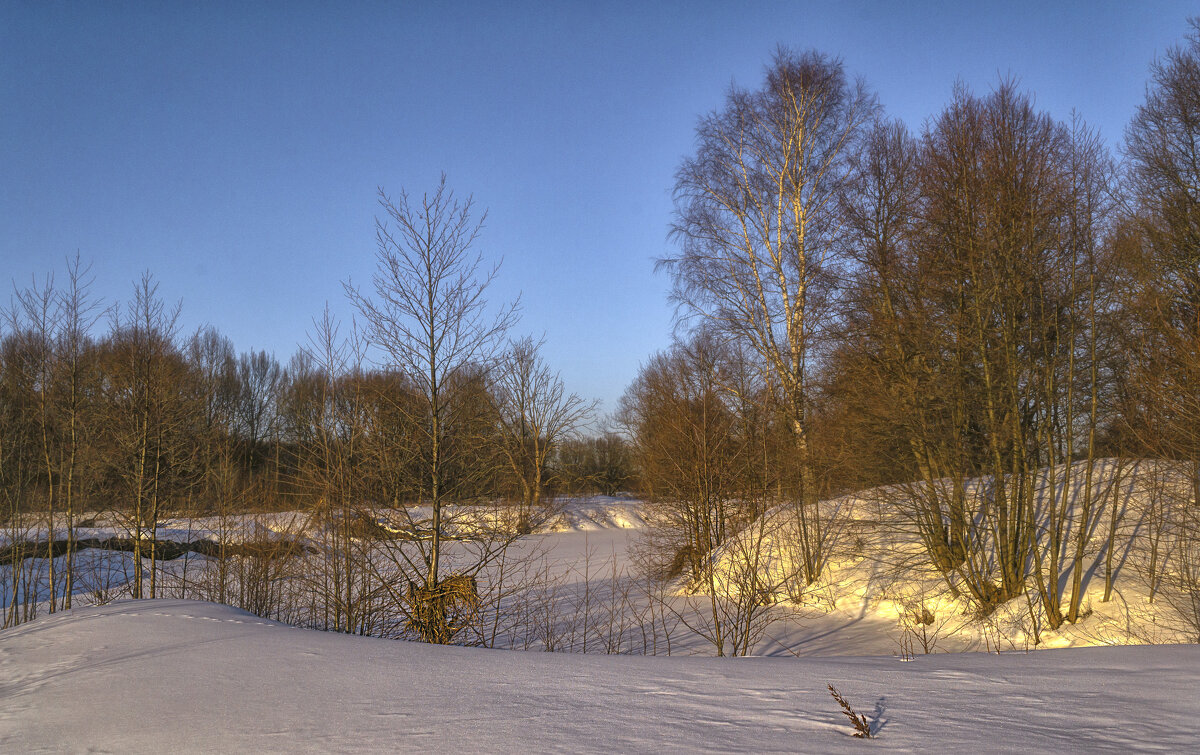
<point x="111" y="411"/>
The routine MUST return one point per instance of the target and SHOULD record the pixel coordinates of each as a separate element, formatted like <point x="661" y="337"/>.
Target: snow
<point x="152" y="675"/>
<point x="139" y="676"/>
<point x="877" y="573"/>
<point x="597" y="513"/>
<point x="875" y="578"/>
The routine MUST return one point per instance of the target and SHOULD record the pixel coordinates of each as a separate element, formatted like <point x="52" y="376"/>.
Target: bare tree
<point x="976" y="308"/>
<point x="601" y="464"/>
<point x="149" y="421"/>
<point x="19" y="473"/>
<point x="54" y="324"/>
<point x="77" y="387"/>
<point x="259" y="375"/>
<point x="1161" y="251"/>
<point x="333" y="468"/>
<point x="757" y="222"/>
<point x="429" y="321"/>
<point x="691" y="457"/>
<point x="536" y="415"/>
<point x="1159" y="278"/>
<point x="35" y="321"/>
<point x="709" y="464"/>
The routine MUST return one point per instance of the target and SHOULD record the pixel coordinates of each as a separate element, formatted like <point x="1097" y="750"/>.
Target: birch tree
<point x="757" y="224"/>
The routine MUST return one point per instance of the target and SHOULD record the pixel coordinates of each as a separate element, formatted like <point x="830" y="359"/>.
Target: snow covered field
<point x="133" y="676"/>
<point x="185" y="676"/>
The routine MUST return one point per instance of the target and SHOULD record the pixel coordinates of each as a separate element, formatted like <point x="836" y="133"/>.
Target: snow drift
<point x="149" y="676"/>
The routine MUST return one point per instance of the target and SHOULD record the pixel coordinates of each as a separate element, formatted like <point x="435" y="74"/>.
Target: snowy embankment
<point x="877" y="578"/>
<point x="571" y="515"/>
<point x="176" y="675"/>
<point x="597" y="513"/>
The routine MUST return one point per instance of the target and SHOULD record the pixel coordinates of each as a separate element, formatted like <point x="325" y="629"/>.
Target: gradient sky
<point x="234" y="149"/>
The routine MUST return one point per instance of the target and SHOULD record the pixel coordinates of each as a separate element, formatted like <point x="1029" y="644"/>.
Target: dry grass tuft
<point x="862" y="729"/>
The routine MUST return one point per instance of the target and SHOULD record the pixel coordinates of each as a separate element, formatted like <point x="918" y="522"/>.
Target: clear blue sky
<point x="234" y="149"/>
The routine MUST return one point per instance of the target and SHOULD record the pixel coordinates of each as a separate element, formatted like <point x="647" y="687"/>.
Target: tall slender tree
<point x="758" y="225"/>
<point x="428" y="319"/>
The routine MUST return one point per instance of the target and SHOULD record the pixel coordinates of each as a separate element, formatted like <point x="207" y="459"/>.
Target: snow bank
<point x="174" y="675"/>
<point x="877" y="569"/>
<point x="597" y="513"/>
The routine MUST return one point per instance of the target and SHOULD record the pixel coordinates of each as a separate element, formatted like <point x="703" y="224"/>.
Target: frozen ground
<point x="173" y="675"/>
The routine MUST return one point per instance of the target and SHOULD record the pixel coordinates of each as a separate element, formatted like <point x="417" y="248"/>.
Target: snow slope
<point x="597" y="513"/>
<point x="154" y="675"/>
<point x="877" y="572"/>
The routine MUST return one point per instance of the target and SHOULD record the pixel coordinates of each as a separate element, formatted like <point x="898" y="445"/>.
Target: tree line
<point x="112" y="416"/>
